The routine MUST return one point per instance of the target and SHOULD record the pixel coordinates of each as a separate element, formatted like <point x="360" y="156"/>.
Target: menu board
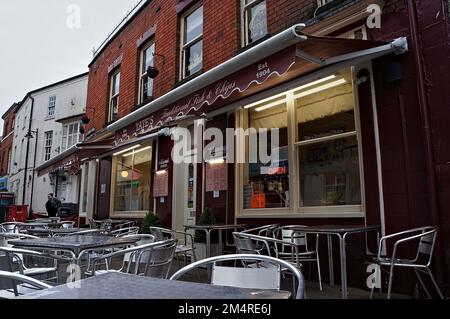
<point x="216" y="177"/>
<point x="161" y="185"/>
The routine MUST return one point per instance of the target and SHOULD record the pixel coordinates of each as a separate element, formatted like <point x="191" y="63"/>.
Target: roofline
<point x="12" y="108"/>
<point x="52" y="85"/>
<point x="120" y="27"/>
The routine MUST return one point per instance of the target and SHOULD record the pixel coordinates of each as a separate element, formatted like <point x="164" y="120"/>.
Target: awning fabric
<point x="71" y="159"/>
<point x="298" y="54"/>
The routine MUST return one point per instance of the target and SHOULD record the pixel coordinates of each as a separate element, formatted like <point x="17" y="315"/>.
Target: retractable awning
<point x="286" y="56"/>
<point x="71" y="159"/>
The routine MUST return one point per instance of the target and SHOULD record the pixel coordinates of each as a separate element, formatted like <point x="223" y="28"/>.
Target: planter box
<point x="200" y="250"/>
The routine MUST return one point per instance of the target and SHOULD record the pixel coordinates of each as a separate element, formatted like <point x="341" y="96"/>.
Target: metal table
<point x="125" y="286"/>
<point x="209" y="228"/>
<point x="342" y="232"/>
<point x="75" y="245"/>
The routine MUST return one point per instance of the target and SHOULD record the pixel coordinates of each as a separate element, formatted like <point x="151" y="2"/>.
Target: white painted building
<point x="47" y="123"/>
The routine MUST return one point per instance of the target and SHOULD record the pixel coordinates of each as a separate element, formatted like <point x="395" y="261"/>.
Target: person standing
<point x="53" y="204"/>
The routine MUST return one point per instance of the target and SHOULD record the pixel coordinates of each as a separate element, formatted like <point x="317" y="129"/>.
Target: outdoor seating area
<point x="44" y="258"/>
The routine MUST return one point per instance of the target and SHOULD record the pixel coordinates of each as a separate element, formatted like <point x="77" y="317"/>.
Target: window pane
<point x="132" y="181"/>
<point x="148" y="58"/>
<point x="116" y="84"/>
<point x="194" y="58"/>
<point x="257" y="21"/>
<point x="194" y="25"/>
<point x="329" y="173"/>
<point x="266" y="185"/>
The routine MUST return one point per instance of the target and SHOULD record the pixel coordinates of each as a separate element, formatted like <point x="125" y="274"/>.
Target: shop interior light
<point x="138" y="151"/>
<point x="308" y="85"/>
<point x="269" y="106"/>
<point x="161" y="172"/>
<point x="125" y="174"/>
<point x="216" y="161"/>
<point x="265" y="100"/>
<point x="321" y="88"/>
<point x="126" y="150"/>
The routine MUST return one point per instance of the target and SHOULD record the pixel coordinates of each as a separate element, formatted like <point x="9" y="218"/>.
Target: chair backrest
<point x="254" y="244"/>
<point x="125" y="231"/>
<point x="265" y="231"/>
<point x="125" y="225"/>
<point x="250" y="278"/>
<point x="427" y="243"/>
<point x="9" y="280"/>
<point x="93" y="224"/>
<point x="11" y="227"/>
<point x="159" y="258"/>
<point x="161" y="233"/>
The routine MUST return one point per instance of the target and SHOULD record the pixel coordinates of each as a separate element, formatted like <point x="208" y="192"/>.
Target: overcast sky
<point x="41" y="41"/>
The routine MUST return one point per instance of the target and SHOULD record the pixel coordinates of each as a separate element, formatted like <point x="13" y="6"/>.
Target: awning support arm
<point x="397" y="46"/>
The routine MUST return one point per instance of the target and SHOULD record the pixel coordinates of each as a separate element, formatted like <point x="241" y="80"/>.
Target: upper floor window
<point x="146" y="83"/>
<point x="51" y="106"/>
<point x="192" y="42"/>
<point x="5" y="129"/>
<point x="254" y="15"/>
<point x="323" y="2"/>
<point x="48" y="143"/>
<point x="71" y="135"/>
<point x="114" y="97"/>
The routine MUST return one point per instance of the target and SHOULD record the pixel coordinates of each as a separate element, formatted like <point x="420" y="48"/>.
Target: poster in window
<point x="161" y="184"/>
<point x="216" y="177"/>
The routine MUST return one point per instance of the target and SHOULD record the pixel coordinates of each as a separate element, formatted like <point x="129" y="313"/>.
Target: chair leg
<point x="422" y="283"/>
<point x="391" y="279"/>
<point x="435" y="284"/>
<point x="319" y="273"/>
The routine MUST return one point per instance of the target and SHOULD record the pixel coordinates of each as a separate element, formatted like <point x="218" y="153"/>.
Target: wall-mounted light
<point x="85" y="120"/>
<point x="82" y="130"/>
<point x="125" y="174"/>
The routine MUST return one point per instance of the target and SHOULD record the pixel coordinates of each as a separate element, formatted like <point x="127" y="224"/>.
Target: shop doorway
<point x="185" y="203"/>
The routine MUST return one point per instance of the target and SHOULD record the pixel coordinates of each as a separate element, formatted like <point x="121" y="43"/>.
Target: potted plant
<point x="150" y="220"/>
<point x="207" y="218"/>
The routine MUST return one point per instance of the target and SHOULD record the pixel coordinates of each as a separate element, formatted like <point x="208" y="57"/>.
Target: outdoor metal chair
<point x="253" y="278"/>
<point x="26" y="262"/>
<point x="104" y="225"/>
<point x="12" y="227"/>
<point x="425" y="238"/>
<point x="124" y="231"/>
<point x="125" y="225"/>
<point x="157" y="259"/>
<point x="13" y="284"/>
<point x="68" y="224"/>
<point x="185" y="246"/>
<point x="265" y="231"/>
<point x="300" y="253"/>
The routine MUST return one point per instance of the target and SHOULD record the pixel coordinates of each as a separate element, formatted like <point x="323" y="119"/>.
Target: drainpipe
<point x="27" y="153"/>
<point x="34" y="169"/>
<point x="426" y="125"/>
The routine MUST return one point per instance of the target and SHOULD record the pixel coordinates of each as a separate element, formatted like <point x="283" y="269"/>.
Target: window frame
<point x="130" y="214"/>
<point x="295" y="210"/>
<point x="51" y="108"/>
<point x="48" y="145"/>
<point x="185" y="46"/>
<point x="142" y="72"/>
<point x="111" y="96"/>
<point x="245" y="39"/>
<point x="65" y="138"/>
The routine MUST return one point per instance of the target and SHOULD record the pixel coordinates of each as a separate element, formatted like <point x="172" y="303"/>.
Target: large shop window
<point x="266" y="185"/>
<point x="192" y="42"/>
<point x="132" y="180"/>
<point x="318" y="130"/>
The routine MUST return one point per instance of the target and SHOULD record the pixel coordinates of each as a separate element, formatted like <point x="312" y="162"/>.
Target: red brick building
<point x="7" y="139"/>
<point x="396" y="155"/>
